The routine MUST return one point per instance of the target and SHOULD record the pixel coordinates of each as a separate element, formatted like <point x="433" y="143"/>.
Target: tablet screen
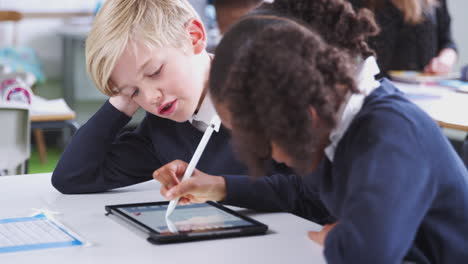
<point x="185" y="218"/>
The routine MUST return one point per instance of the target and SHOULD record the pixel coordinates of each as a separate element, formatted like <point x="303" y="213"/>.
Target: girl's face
<point x="276" y="152"/>
<point x="280" y="156"/>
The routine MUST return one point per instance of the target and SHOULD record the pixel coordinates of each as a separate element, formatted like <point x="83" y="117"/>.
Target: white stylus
<point x="214" y="126"/>
<point x="170" y="225"/>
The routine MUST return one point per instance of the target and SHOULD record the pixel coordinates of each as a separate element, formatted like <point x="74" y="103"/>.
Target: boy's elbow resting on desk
<point x="60" y="184"/>
<point x="66" y="186"/>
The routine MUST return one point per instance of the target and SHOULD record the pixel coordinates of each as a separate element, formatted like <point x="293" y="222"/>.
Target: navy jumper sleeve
<point x="278" y="192"/>
<point x="387" y="195"/>
<point x="99" y="158"/>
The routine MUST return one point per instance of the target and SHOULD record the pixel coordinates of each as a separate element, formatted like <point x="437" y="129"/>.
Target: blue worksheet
<point x="32" y="233"/>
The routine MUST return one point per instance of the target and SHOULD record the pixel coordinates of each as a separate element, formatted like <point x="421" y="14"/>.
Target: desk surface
<point x="115" y="242"/>
<point x="447" y="107"/>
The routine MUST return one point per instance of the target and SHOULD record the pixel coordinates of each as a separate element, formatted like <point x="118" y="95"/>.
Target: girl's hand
<point x="320" y="236"/>
<point x="199" y="188"/>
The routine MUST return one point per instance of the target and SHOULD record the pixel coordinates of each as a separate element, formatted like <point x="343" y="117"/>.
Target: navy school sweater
<point x="396" y="187"/>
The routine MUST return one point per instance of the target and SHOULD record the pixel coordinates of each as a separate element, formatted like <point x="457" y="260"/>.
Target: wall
<point x="41" y="34"/>
<point x="458" y="10"/>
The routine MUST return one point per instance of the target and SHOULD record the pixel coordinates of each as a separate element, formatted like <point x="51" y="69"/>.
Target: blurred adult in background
<point x="415" y="35"/>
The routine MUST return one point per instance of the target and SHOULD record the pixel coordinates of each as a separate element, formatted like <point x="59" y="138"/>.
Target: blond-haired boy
<point x="149" y="54"/>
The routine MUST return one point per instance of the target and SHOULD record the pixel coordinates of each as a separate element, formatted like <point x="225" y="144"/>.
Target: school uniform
<point x="390" y="178"/>
<point x="100" y="157"/>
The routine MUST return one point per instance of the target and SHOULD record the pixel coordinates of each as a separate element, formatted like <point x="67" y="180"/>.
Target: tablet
<point x="188" y="222"/>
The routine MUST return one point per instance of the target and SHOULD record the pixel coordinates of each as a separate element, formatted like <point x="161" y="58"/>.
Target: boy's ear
<point x="197" y="35"/>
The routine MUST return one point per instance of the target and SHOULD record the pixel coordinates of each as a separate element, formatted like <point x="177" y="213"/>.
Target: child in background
<point x="382" y="167"/>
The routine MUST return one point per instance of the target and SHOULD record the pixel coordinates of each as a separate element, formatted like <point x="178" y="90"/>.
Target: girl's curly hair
<point x="335" y="20"/>
<point x="267" y="72"/>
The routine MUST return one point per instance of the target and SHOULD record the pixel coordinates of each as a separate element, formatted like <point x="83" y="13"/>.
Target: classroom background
<point x="53" y="34"/>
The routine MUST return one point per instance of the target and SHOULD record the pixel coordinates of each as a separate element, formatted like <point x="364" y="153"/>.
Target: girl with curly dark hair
<point x="381" y="166"/>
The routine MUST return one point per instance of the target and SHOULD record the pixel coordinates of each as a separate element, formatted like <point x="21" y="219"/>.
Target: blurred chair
<point x="14" y="138"/>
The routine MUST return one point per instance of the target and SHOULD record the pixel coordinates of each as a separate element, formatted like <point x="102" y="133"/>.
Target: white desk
<point x="115" y="242"/>
<point x="448" y="108"/>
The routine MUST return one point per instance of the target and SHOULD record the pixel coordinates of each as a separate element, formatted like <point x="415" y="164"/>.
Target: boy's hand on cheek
<point x="124" y="104"/>
<point x="320" y="236"/>
<point x="199" y="188"/>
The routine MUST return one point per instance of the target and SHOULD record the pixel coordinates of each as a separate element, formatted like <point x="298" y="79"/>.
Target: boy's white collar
<point x="366" y="83"/>
<point x="204" y="115"/>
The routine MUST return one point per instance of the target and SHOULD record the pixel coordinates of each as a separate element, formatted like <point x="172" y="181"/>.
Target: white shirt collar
<point x="205" y="114"/>
<point x="366" y="83"/>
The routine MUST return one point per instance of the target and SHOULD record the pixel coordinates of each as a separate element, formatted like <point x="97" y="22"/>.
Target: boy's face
<point x="167" y="82"/>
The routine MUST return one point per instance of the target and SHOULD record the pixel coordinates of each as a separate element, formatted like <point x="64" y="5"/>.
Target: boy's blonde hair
<point x="156" y="23"/>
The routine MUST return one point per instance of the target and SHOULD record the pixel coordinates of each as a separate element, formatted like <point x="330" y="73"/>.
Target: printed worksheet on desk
<point x="33" y="233"/>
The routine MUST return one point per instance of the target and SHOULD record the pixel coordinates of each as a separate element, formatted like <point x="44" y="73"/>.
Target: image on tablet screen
<point x="185" y="218"/>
